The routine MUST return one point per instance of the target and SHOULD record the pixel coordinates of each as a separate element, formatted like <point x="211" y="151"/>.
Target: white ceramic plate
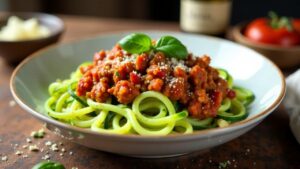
<point x="31" y="78"/>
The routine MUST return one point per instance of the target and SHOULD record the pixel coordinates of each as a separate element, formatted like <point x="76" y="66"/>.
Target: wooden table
<point x="269" y="145"/>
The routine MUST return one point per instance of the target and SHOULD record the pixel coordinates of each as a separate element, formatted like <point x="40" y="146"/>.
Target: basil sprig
<point x="137" y="43"/>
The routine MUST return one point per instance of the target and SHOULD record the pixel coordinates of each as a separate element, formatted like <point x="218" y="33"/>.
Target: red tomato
<point x="134" y="78"/>
<point x="260" y="30"/>
<point x="296" y="25"/>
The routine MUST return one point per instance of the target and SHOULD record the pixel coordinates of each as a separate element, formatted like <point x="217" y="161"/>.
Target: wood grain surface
<point x="269" y="145"/>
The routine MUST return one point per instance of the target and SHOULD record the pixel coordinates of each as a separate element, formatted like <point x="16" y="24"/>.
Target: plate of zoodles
<point x="148" y="93"/>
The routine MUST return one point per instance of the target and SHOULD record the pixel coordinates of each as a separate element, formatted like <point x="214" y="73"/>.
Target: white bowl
<point x="250" y="69"/>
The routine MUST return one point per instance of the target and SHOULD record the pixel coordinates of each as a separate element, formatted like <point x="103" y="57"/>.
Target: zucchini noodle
<point x="151" y="113"/>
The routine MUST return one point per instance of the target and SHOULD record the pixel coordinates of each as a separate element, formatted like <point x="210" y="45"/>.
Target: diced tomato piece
<point x="85" y="84"/>
<point x="99" y="56"/>
<point x="84" y="69"/>
<point x="216" y="97"/>
<point x="141" y="62"/>
<point x="230" y="94"/>
<point x="156" y="85"/>
<point x="135" y="78"/>
<point x="116" y="48"/>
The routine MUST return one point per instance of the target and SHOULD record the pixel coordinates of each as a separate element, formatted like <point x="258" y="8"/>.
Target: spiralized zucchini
<point x="151" y="113"/>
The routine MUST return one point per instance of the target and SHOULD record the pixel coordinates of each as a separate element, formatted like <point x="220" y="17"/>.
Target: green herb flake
<point x="48" y="165"/>
<point x="38" y="134"/>
<point x="224" y="164"/>
<point x="176" y="105"/>
<point x="117" y="74"/>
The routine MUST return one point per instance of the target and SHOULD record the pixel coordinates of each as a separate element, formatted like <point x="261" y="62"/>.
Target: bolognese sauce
<point x="191" y="82"/>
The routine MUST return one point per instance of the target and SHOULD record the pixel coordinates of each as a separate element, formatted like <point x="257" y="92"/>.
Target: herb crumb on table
<point x="12" y="103"/>
<point x="4" y="158"/>
<point x="34" y="148"/>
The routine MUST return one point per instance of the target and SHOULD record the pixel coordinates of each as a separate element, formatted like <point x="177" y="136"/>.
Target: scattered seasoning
<point x="16" y="145"/>
<point x="12" y="103"/>
<point x="33" y="148"/>
<point x="19" y="152"/>
<point x="28" y="140"/>
<point x="38" y="134"/>
<point x="4" y="158"/>
<point x="224" y="164"/>
<point x="54" y="147"/>
<point x="46" y="157"/>
<point x="48" y="143"/>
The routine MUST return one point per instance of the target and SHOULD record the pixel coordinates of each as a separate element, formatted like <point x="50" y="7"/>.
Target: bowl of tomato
<point x="276" y="37"/>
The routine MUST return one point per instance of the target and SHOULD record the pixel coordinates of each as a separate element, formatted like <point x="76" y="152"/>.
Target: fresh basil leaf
<point x="48" y="165"/>
<point x="167" y="40"/>
<point x="136" y="43"/>
<point x="176" y="51"/>
<point x="172" y="47"/>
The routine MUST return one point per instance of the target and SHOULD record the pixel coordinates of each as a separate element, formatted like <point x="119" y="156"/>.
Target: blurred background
<point x="162" y="10"/>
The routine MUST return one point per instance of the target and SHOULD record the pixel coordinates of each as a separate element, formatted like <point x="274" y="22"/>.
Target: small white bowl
<point x="250" y="69"/>
<point x="14" y="52"/>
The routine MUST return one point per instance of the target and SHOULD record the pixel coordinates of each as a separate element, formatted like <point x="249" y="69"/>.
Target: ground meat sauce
<point x="191" y="82"/>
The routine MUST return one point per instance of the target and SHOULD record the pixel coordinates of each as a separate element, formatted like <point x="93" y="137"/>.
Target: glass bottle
<point x="205" y="16"/>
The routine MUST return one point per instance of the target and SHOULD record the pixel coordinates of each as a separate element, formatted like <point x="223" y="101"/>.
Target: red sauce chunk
<point x="191" y="82"/>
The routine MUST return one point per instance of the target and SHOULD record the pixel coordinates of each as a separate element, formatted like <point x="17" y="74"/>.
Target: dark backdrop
<point x="241" y="9"/>
<point x="164" y="10"/>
